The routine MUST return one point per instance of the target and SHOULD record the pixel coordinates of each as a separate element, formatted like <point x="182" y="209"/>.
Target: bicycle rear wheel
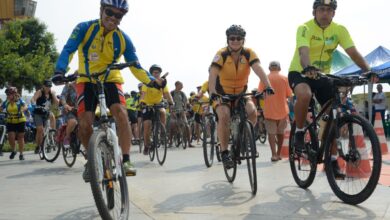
<point x="303" y="169"/>
<point x="110" y="193"/>
<point x="358" y="157"/>
<point x="231" y="173"/>
<point x="69" y="155"/>
<point x="208" y="132"/>
<point x="249" y="153"/>
<point x="160" y="138"/>
<point x="51" y="149"/>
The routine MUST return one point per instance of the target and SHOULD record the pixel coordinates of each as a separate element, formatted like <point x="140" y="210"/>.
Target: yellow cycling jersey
<point x="205" y="87"/>
<point x="233" y="79"/>
<point x="321" y="43"/>
<point x="14" y="113"/>
<point x="152" y="95"/>
<point x="196" y="106"/>
<point x="97" y="51"/>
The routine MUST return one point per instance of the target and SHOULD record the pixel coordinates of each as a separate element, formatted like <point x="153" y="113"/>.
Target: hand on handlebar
<point x="311" y="72"/>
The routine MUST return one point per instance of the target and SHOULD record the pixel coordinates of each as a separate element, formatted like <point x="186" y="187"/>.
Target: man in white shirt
<point x="380" y="102"/>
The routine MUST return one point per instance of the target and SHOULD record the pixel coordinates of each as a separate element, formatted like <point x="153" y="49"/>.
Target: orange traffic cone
<point x="362" y="167"/>
<point x="378" y="126"/>
<point x="286" y="140"/>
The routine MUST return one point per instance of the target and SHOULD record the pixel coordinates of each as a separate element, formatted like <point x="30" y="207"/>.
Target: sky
<point x="183" y="36"/>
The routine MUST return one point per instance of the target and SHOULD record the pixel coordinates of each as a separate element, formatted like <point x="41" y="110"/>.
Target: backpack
<point x="183" y="96"/>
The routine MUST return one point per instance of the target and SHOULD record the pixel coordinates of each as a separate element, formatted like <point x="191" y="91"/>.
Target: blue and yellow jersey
<point x="96" y="51"/>
<point x="321" y="44"/>
<point x="14" y="111"/>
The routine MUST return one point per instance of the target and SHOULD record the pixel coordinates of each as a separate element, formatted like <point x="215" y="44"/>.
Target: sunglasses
<point x="235" y="38"/>
<point x="111" y="13"/>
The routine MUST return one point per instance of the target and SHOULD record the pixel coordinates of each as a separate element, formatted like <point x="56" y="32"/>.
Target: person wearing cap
<point x="276" y="109"/>
<point x="42" y="101"/>
<point x="315" y="42"/>
<point x="14" y="106"/>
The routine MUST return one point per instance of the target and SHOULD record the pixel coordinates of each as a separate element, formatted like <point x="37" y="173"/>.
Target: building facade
<point x="16" y="9"/>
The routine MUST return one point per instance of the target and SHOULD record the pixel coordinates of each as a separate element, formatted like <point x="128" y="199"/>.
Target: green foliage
<point x="27" y="54"/>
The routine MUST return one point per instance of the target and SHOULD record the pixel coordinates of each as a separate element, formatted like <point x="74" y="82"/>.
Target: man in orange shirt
<point x="276" y="108"/>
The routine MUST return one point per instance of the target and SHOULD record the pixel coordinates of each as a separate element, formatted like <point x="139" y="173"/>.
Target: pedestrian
<point x="14" y="106"/>
<point x="380" y="101"/>
<point x="276" y="109"/>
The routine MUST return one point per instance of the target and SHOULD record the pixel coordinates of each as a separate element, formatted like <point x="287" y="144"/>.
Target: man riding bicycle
<point x="149" y="97"/>
<point x="316" y="41"/>
<point x="229" y="73"/>
<point x="100" y="43"/>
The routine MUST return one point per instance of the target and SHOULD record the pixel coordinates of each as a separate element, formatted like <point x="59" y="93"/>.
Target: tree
<point x="27" y="54"/>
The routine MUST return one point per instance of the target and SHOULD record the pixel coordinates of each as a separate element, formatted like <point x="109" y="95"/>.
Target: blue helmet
<point x="120" y="4"/>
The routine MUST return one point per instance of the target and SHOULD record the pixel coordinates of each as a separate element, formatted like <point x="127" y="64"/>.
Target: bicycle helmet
<point x="331" y="3"/>
<point x="11" y="90"/>
<point x="155" y="67"/>
<point x="235" y="30"/>
<point x="47" y="83"/>
<point x="140" y="85"/>
<point x="120" y="4"/>
<point x="133" y="93"/>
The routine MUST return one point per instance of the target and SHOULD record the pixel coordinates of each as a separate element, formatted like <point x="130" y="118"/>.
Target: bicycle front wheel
<point x="69" y="155"/>
<point x="109" y="189"/>
<point x="160" y="138"/>
<point x="208" y="131"/>
<point x="303" y="169"/>
<point x="355" y="174"/>
<point x="249" y="153"/>
<point x="50" y="148"/>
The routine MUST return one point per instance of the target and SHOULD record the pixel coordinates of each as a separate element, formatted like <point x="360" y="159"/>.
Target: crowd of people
<point x="100" y="43"/>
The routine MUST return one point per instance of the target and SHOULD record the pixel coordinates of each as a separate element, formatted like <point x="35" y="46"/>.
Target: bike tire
<point x="231" y="173"/>
<point x="249" y="153"/>
<point x="177" y="140"/>
<point x="141" y="138"/>
<point x="103" y="186"/>
<point x="373" y="161"/>
<point x="263" y="136"/>
<point x="160" y="138"/>
<point x="50" y="149"/>
<point x="68" y="155"/>
<point x="208" y="143"/>
<point x="303" y="177"/>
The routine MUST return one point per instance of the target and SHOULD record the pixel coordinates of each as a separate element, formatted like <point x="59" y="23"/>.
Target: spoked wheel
<point x="209" y="140"/>
<point x="69" y="155"/>
<point x="303" y="169"/>
<point x="249" y="153"/>
<point x="359" y="160"/>
<point x="160" y="138"/>
<point x="177" y="139"/>
<point x="110" y="192"/>
<point x="184" y="138"/>
<point x="263" y="135"/>
<point x="50" y="148"/>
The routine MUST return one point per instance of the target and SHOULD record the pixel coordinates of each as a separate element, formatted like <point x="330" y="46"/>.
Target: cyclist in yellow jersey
<point x="151" y="96"/>
<point x="131" y="105"/>
<point x="16" y="121"/>
<point x="198" y="108"/>
<point x="315" y="42"/>
<point x="101" y="43"/>
<point x="229" y="73"/>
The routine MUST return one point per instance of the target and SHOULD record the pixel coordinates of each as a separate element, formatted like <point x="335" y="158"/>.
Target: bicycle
<point x="180" y="137"/>
<point x="159" y="138"/>
<point x="358" y="147"/>
<point x="49" y="149"/>
<point x="3" y="132"/>
<point x="243" y="145"/>
<point x="259" y="129"/>
<point x="108" y="178"/>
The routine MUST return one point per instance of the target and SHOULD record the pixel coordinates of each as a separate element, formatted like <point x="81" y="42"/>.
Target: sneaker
<point x="129" y="169"/>
<point x="12" y="155"/>
<point x="36" y="151"/>
<point x="299" y="143"/>
<point x="21" y="157"/>
<point x="66" y="142"/>
<point x="146" y="150"/>
<point x="86" y="174"/>
<point x="338" y="175"/>
<point x="227" y="159"/>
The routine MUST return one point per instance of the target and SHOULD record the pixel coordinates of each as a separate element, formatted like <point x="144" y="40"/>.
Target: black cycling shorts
<point x="17" y="128"/>
<point x="132" y="116"/>
<point x="321" y="88"/>
<point x="198" y="118"/>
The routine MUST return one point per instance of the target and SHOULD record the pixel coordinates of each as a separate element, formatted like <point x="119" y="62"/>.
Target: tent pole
<point x="370" y="88"/>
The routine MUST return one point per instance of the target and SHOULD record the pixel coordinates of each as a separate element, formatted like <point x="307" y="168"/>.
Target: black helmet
<point x="155" y="67"/>
<point x="331" y="3"/>
<point x="235" y="30"/>
<point x="133" y="93"/>
<point x="11" y="90"/>
<point x="47" y="83"/>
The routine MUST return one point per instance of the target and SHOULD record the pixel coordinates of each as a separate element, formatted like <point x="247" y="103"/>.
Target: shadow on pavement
<point x="17" y="162"/>
<point x="297" y="203"/>
<point x="53" y="171"/>
<point x="216" y="193"/>
<point x="82" y="213"/>
<point x="187" y="169"/>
